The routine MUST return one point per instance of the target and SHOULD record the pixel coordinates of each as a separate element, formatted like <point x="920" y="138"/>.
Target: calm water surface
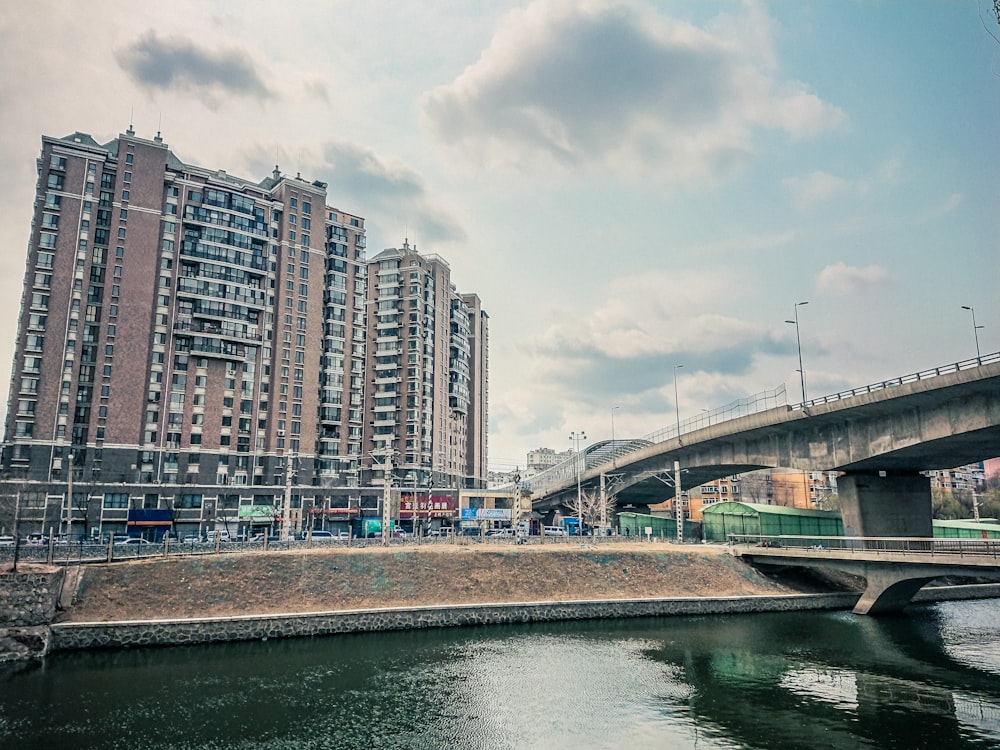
<point x="927" y="679"/>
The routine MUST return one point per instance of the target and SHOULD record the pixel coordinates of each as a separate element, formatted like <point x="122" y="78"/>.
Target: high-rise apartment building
<point x="181" y="327"/>
<point x="427" y="372"/>
<point x="177" y="322"/>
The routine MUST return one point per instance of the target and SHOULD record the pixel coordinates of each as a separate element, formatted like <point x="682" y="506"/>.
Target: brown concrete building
<point x="196" y="342"/>
<point x="427" y="373"/>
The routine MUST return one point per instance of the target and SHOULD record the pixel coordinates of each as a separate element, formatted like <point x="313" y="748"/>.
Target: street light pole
<point x="677" y="403"/>
<point x="577" y="437"/>
<point x="798" y="342"/>
<point x="975" y="328"/>
<point x="614" y="453"/>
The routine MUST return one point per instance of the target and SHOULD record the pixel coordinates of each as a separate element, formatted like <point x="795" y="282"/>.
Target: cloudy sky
<point x="629" y="186"/>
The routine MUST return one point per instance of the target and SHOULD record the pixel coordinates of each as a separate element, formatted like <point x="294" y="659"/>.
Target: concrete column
<point x="885" y="504"/>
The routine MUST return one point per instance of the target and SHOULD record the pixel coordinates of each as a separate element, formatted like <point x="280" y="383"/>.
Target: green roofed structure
<point x="719" y="520"/>
<point x="755" y="519"/>
<point x="635" y="525"/>
<point x="967" y="529"/>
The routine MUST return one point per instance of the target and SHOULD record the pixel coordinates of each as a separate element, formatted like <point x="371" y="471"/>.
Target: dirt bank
<point x="344" y="578"/>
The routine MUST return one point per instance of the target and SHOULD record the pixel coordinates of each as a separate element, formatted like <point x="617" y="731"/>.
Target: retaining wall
<point x="72" y="636"/>
<point x="27" y="605"/>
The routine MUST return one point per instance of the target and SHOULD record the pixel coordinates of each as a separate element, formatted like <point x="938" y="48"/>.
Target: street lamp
<point x="677" y="403"/>
<point x="975" y="328"/>
<point x="577" y="437"/>
<point x="798" y="341"/>
<point x="614" y="453"/>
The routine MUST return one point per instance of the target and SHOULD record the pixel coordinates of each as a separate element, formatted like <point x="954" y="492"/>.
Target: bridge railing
<point x="965" y="364"/>
<point x="566" y="470"/>
<point x="870" y="545"/>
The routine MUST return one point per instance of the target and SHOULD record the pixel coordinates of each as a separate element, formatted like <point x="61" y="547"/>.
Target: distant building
<point x="971" y="478"/>
<point x="542" y="458"/>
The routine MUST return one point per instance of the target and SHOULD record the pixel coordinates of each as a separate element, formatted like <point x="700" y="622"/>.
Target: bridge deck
<point x="978" y="553"/>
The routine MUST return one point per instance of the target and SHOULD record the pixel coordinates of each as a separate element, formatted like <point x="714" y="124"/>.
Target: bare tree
<point x="754" y="488"/>
<point x="589" y="508"/>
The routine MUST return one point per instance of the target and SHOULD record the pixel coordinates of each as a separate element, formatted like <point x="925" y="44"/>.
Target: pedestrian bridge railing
<point x="927" y="547"/>
<point x="966" y="364"/>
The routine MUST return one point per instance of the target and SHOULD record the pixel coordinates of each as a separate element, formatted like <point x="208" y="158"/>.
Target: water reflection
<point x="820" y="680"/>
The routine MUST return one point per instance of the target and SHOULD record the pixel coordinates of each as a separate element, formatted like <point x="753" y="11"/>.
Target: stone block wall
<point x="28" y="602"/>
<point x="72" y="636"/>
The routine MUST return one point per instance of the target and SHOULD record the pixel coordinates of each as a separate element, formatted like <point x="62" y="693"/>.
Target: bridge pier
<point x="876" y="503"/>
<point x="888" y="588"/>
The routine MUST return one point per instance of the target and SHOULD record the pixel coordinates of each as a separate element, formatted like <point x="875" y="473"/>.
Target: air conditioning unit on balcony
<point x="281" y="433"/>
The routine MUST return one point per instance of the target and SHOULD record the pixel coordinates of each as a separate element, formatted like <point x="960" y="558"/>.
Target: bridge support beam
<point x="885" y="504"/>
<point x="889" y="588"/>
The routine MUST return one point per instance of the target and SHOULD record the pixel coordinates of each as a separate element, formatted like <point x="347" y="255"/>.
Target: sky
<point x="639" y="192"/>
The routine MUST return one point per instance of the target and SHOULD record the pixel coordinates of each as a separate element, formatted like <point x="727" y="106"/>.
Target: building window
<point x="115" y="499"/>
<point x="189" y="500"/>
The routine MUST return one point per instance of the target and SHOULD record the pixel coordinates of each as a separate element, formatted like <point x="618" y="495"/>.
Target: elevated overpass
<point x="881" y="436"/>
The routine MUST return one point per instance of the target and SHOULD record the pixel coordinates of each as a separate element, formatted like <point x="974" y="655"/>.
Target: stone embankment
<point x="28" y="600"/>
<point x="72" y="636"/>
<point x="255" y="596"/>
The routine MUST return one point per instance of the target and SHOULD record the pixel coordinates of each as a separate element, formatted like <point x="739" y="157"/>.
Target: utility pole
<point x="678" y="502"/>
<point x="577" y="437"/>
<point x="386" y="499"/>
<point x="69" y="499"/>
<point x="286" y="511"/>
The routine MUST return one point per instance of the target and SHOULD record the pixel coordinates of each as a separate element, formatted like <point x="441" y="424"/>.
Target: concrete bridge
<point x="880" y="436"/>
<point x="894" y="568"/>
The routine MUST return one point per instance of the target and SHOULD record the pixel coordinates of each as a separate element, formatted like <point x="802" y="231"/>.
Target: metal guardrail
<point x="965" y="364"/>
<point x="78" y="554"/>
<point x="85" y="554"/>
<point x="742" y="407"/>
<point x="925" y="546"/>
<point x="768" y="399"/>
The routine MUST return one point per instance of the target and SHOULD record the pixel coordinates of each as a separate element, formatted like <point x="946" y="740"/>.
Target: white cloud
<point x="844" y="281"/>
<point x="596" y="85"/>
<point x="817" y="187"/>
<point x="948" y="205"/>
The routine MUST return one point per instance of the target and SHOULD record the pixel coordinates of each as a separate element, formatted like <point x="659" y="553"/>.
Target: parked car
<point x="402" y="534"/>
<point x="36" y="539"/>
<point x="443" y="531"/>
<point x="319" y="535"/>
<point x="261" y="537"/>
<point x="501" y="534"/>
<point x="132" y="541"/>
<point x="555" y="531"/>
<point x="6" y="540"/>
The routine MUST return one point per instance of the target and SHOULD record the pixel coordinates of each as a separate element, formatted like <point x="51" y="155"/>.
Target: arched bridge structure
<point x="881" y="436"/>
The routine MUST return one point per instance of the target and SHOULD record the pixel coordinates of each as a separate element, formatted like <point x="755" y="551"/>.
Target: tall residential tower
<point x="176" y="322"/>
<point x="427" y="372"/>
<point x="183" y="328"/>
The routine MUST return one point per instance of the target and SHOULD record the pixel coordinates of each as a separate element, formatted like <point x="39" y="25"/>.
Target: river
<point x="927" y="679"/>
